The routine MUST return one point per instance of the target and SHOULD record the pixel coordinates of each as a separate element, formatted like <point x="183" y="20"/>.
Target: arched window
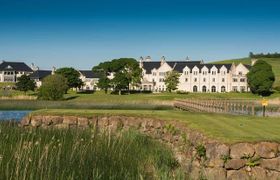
<point x="195" y="89"/>
<point x="213" y="89"/>
<point x="223" y="89"/>
<point x="204" y="89"/>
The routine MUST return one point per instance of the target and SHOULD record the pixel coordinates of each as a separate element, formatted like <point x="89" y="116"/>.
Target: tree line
<point x="262" y="55"/>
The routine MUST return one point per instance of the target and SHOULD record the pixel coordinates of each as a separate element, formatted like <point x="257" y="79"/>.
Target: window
<point x="242" y="88"/>
<point x="242" y="80"/>
<point x="213" y="89"/>
<point x="223" y="89"/>
<point x="154" y="73"/>
<point x="186" y="80"/>
<point x="186" y="72"/>
<point x="240" y="73"/>
<point x="223" y="73"/>
<point x="204" y="89"/>
<point x="162" y="73"/>
<point x="234" y="80"/>
<point x="213" y="80"/>
<point x="223" y="79"/>
<point x="195" y="80"/>
<point x="213" y="72"/>
<point x="234" y="88"/>
<point x="204" y="72"/>
<point x="161" y="79"/>
<point x="204" y="79"/>
<point x="195" y="73"/>
<point x="195" y="89"/>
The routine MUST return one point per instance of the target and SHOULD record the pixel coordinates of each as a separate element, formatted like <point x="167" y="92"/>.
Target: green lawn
<point x="225" y="128"/>
<point x="274" y="62"/>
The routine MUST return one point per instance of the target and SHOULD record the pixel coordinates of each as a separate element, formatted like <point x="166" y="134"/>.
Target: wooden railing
<point x="246" y="107"/>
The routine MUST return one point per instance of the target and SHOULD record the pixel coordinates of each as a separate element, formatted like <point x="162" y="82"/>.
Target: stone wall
<point x="200" y="156"/>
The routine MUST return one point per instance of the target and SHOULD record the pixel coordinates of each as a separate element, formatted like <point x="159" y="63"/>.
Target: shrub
<point x="261" y="78"/>
<point x="53" y="87"/>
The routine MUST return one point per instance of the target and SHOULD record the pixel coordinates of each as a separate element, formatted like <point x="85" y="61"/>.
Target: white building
<point x="39" y="75"/>
<point x="195" y="76"/>
<point x="10" y="71"/>
<point x="89" y="79"/>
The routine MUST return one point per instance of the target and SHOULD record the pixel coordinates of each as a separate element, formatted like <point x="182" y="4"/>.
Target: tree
<point x="171" y="80"/>
<point x="103" y="70"/>
<point x="72" y="76"/>
<point x="104" y="83"/>
<point x="127" y="73"/>
<point x="261" y="78"/>
<point x="53" y="87"/>
<point x="120" y="82"/>
<point x="24" y="83"/>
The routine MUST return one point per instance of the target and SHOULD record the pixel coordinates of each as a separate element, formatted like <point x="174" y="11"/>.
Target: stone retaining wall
<point x="199" y="155"/>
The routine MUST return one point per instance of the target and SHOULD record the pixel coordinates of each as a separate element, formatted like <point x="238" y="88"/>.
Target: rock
<point x="83" y="122"/>
<point x="47" y="120"/>
<point x="273" y="175"/>
<point x="70" y="120"/>
<point x="25" y="121"/>
<point x="235" y="164"/>
<point x="237" y="175"/>
<point x="36" y="121"/>
<point x="57" y="120"/>
<point x="266" y="149"/>
<point x="271" y="164"/>
<point x="215" y="174"/>
<point x="240" y="150"/>
<point x="258" y="173"/>
<point x="214" y="154"/>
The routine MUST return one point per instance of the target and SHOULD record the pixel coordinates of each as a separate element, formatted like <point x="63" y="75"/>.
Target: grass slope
<point x="274" y="62"/>
<point x="225" y="128"/>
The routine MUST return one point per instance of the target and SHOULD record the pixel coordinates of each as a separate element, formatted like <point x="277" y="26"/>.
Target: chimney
<point x="141" y="59"/>
<point x="148" y="58"/>
<point x="253" y="61"/>
<point x="162" y="60"/>
<point x="53" y="70"/>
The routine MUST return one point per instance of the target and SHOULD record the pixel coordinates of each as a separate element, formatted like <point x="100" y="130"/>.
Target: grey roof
<point x="89" y="74"/>
<point x="15" y="66"/>
<point x="180" y="65"/>
<point x="177" y="65"/>
<point x="40" y="74"/>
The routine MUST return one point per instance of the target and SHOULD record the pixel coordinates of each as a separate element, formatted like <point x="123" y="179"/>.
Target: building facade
<point x="89" y="79"/>
<point x="195" y="76"/>
<point x="11" y="71"/>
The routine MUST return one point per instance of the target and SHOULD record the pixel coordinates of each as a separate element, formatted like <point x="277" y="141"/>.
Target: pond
<point x="13" y="115"/>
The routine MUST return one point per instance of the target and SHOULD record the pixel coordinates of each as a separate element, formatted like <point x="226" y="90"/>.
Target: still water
<point x="13" y="115"/>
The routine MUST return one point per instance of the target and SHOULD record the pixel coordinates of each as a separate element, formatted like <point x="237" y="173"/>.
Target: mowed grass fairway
<point x="274" y="62"/>
<point x="225" y="128"/>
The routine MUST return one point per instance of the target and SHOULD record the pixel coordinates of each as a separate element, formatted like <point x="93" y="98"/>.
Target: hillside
<point x="274" y="62"/>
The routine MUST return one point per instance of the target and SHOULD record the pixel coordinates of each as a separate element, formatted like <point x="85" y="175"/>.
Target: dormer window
<point x="195" y="73"/>
<point x="204" y="72"/>
<point x="186" y="72"/>
<point x="213" y="72"/>
<point x="154" y="73"/>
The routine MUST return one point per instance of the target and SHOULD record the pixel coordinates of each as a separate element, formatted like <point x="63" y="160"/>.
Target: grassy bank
<point x="225" y="128"/>
<point x="100" y="100"/>
<point x="77" y="154"/>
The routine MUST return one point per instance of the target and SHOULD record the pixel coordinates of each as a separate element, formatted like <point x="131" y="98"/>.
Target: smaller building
<point x="39" y="75"/>
<point x="89" y="79"/>
<point x="11" y="71"/>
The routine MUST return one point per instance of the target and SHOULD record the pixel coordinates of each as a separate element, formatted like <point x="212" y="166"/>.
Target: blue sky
<point x="85" y="32"/>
